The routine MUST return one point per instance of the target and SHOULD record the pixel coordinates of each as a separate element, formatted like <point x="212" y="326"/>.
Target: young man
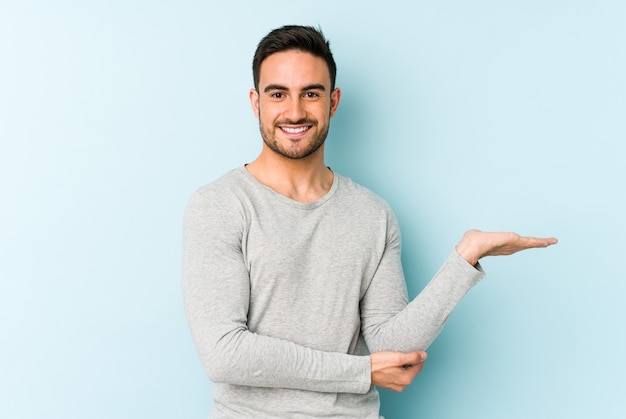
<point x="292" y="279"/>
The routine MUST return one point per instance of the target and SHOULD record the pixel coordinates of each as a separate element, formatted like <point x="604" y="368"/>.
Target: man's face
<point x="294" y="103"/>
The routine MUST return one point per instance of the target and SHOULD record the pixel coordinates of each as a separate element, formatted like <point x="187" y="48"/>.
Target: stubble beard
<point x="294" y="153"/>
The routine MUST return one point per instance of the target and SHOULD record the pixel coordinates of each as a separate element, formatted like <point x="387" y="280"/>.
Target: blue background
<point x="505" y="115"/>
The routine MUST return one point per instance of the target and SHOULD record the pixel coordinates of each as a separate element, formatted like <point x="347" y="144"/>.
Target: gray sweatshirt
<point x="285" y="299"/>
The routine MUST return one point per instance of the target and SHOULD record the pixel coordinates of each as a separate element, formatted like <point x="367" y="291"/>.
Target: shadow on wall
<point x="358" y="146"/>
<point x="351" y="145"/>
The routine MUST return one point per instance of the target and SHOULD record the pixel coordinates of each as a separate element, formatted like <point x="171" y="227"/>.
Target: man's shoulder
<point x="362" y="195"/>
<point x="222" y="192"/>
<point x="225" y="183"/>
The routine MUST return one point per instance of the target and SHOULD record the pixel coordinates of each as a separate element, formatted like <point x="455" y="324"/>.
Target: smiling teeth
<point x="294" y="130"/>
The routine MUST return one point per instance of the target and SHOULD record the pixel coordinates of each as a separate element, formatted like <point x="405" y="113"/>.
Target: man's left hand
<point x="477" y="244"/>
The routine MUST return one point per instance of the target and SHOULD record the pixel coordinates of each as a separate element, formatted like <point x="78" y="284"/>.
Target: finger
<point x="415" y="369"/>
<point x="550" y="241"/>
<point x="405" y="376"/>
<point x="413" y="358"/>
<point x="408" y="375"/>
<point x="540" y="241"/>
<point x="419" y="368"/>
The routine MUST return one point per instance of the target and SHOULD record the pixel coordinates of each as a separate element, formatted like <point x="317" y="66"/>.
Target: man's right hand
<point x="396" y="370"/>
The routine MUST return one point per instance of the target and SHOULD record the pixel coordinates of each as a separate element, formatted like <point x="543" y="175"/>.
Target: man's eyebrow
<point x="315" y="87"/>
<point x="280" y="87"/>
<point x="271" y="87"/>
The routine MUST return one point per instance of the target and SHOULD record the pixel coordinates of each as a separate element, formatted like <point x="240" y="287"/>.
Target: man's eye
<point x="311" y="94"/>
<point x="277" y="95"/>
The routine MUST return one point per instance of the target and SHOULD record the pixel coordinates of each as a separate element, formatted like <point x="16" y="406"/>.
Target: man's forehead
<point x="294" y="67"/>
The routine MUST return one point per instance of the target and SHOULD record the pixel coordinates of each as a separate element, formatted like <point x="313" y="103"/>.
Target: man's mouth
<point x="295" y="130"/>
<point x="295" y="133"/>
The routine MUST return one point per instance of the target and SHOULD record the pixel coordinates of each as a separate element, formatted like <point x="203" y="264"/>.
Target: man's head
<point x="294" y="95"/>
<point x="291" y="37"/>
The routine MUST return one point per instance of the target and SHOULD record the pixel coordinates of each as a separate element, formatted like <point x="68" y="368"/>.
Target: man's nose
<point x="295" y="109"/>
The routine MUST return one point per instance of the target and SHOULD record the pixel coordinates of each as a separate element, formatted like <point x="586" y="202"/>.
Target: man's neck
<point x="303" y="180"/>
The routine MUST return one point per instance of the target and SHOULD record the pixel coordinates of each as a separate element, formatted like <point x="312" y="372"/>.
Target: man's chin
<point x="296" y="154"/>
<point x="298" y="148"/>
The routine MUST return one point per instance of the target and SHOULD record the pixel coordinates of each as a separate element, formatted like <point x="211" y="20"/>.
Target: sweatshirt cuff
<point x="463" y="270"/>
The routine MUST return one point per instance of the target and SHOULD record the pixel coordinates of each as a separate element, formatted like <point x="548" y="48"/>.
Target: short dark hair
<point x="290" y="37"/>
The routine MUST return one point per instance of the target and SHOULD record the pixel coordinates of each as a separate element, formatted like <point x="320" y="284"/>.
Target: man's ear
<point x="254" y="101"/>
<point x="335" y="97"/>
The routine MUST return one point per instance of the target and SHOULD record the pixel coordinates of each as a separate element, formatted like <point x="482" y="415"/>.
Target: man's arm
<point x="390" y="322"/>
<point x="395" y="370"/>
<point x="216" y="292"/>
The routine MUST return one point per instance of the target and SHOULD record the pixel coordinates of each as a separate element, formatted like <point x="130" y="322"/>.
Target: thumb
<point x="421" y="356"/>
<point x="413" y="358"/>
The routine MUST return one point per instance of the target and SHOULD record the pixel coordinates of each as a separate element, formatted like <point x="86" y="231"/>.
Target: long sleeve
<point x="390" y="321"/>
<point x="284" y="299"/>
<point x="216" y="291"/>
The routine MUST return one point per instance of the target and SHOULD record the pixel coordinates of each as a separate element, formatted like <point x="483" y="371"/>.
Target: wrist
<point x="467" y="249"/>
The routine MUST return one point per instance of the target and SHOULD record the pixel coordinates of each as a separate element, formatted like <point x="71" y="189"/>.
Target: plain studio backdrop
<point x="497" y="115"/>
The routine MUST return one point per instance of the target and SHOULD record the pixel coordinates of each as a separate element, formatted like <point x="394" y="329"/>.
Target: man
<point x="292" y="279"/>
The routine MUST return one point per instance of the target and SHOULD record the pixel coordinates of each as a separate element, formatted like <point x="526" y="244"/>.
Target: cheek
<point x="268" y="112"/>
